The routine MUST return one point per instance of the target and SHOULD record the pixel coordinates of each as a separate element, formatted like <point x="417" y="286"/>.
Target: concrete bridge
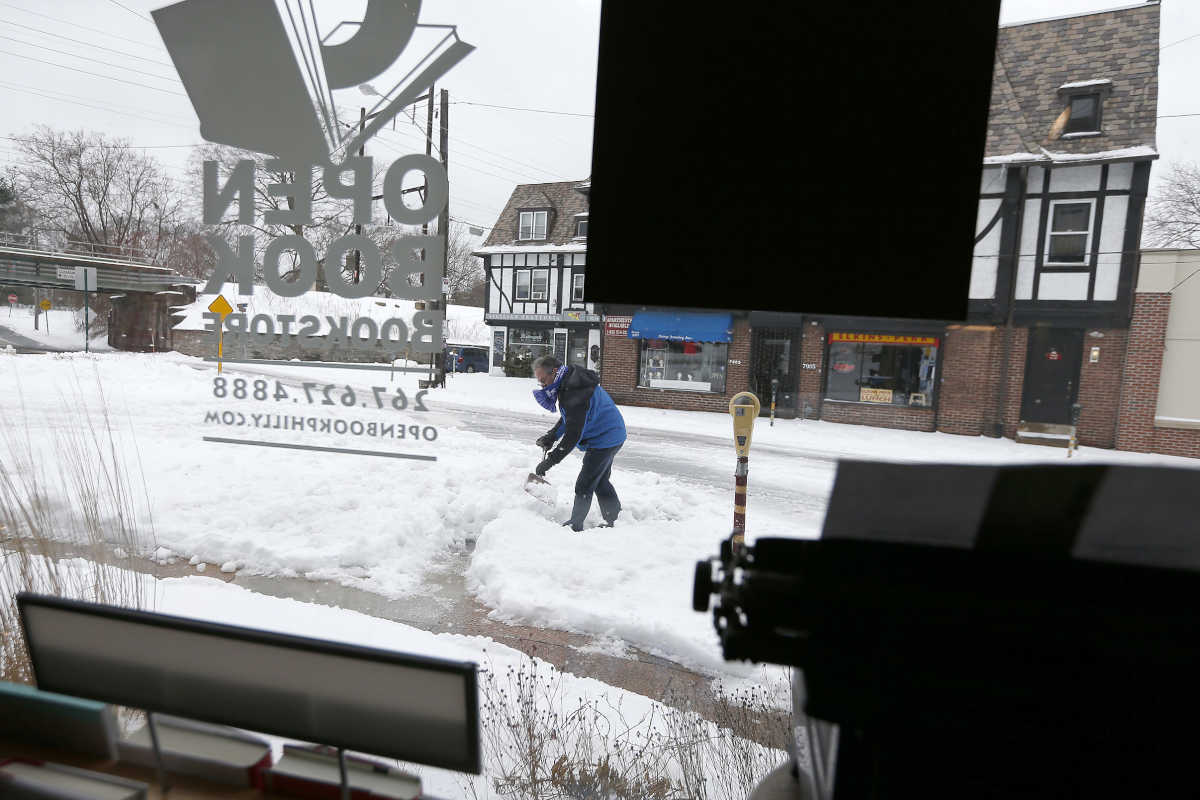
<point x="138" y="294"/>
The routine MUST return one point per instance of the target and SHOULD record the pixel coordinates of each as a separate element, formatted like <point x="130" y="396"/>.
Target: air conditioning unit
<point x="537" y="296"/>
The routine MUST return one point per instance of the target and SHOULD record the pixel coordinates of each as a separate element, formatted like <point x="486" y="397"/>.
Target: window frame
<point x="1085" y="264"/>
<point x="643" y="346"/>
<point x="934" y="394"/>
<point x="533" y="213"/>
<point x="581" y="222"/>
<point x="517" y="286"/>
<point x="545" y="276"/>
<point x="1098" y="97"/>
<point x="577" y="282"/>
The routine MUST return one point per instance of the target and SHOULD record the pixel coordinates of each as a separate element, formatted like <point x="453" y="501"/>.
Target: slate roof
<point x="565" y="200"/>
<point x="1034" y="59"/>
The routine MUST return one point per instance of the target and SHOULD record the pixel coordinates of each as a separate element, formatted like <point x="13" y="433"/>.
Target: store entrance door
<point x="774" y="352"/>
<point x="1052" y="375"/>
<point x="577" y="347"/>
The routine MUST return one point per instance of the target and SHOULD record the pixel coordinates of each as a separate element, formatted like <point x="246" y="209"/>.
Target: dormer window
<point x="533" y="225"/>
<point x="1085" y="114"/>
<point x="581" y="227"/>
<point x="1083" y="102"/>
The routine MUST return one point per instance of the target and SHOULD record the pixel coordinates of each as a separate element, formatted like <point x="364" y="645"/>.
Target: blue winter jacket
<point x="590" y="419"/>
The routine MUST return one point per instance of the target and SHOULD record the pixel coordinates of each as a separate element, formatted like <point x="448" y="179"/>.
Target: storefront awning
<point x="683" y="326"/>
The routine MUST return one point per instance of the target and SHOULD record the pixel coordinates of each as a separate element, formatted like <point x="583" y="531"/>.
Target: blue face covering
<point x="547" y="397"/>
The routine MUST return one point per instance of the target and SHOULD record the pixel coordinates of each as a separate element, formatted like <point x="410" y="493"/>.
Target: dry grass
<point x="539" y="746"/>
<point x="74" y="498"/>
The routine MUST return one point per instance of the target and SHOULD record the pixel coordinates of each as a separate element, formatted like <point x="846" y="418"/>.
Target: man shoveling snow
<point x="591" y="422"/>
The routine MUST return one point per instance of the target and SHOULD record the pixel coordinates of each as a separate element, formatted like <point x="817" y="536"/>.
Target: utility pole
<point x="362" y="124"/>
<point x="444" y="217"/>
<point x="425" y="227"/>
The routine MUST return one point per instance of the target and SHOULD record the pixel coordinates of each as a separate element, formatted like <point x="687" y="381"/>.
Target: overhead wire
<point x="88" y="44"/>
<point x="83" y="101"/>
<point x="83" y="27"/>
<point x="93" y="74"/>
<point x="137" y="14"/>
<point x="42" y="47"/>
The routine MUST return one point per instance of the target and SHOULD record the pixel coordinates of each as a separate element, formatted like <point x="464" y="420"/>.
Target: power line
<point x="116" y="146"/>
<point x="513" y="108"/>
<point x="89" y="44"/>
<point x="87" y="58"/>
<point x="529" y="110"/>
<point x="116" y="109"/>
<point x="84" y="27"/>
<point x="93" y="74"/>
<point x="1172" y="116"/>
<point x="137" y="14"/>
<point x="1180" y="41"/>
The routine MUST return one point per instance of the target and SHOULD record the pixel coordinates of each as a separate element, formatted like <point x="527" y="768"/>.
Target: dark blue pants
<point x="593" y="479"/>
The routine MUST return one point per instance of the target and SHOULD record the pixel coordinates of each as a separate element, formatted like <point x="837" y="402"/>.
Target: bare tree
<point x="1173" y="212"/>
<point x="15" y="215"/>
<point x="463" y="270"/>
<point x="97" y="190"/>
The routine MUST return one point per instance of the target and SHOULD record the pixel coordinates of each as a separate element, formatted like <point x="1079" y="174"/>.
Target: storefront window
<point x="690" y="366"/>
<point x="881" y="368"/>
<point x="529" y="342"/>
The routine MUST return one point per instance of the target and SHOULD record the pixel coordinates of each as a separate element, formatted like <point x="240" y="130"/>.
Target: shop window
<point x="1085" y="114"/>
<point x="522" y="284"/>
<point x="881" y="368"/>
<point x="541" y="284"/>
<point x="1069" y="234"/>
<point x="686" y="366"/>
<point x="577" y="289"/>
<point x="533" y="225"/>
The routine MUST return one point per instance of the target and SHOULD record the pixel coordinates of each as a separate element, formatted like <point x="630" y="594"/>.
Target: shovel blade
<point x="538" y="487"/>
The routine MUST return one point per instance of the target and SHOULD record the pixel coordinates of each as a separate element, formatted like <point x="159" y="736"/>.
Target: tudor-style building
<point x="1071" y="139"/>
<point x="535" y="263"/>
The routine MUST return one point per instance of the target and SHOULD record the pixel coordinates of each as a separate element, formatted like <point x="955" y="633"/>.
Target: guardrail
<point x="51" y="243"/>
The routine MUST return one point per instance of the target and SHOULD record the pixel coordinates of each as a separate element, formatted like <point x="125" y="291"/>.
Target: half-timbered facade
<point x="535" y="263"/>
<point x="1070" y="143"/>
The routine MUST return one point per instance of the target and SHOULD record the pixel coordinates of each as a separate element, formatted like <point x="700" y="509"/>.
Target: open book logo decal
<point x="266" y="81"/>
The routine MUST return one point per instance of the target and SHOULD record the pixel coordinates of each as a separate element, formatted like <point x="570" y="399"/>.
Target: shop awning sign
<point x="885" y="338"/>
<point x="682" y="326"/>
<point x="617" y="325"/>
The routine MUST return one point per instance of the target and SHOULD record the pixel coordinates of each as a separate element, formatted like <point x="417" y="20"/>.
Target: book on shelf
<point x="313" y="772"/>
<point x="213" y="752"/>
<point x="28" y="779"/>
<point x="57" y="720"/>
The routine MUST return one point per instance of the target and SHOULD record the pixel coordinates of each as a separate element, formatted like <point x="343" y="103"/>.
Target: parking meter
<point x="743" y="407"/>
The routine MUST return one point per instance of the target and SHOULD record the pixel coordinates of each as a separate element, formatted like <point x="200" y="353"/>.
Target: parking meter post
<point x="774" y="391"/>
<point x="744" y="408"/>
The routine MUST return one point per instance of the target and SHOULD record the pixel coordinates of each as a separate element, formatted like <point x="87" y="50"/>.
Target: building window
<point x="881" y="368"/>
<point x="577" y="289"/>
<point x="522" y="284"/>
<point x="533" y="225"/>
<point x="686" y="366"/>
<point x="541" y="284"/>
<point x="1085" y="114"/>
<point x="1069" y="236"/>
<point x="581" y="227"/>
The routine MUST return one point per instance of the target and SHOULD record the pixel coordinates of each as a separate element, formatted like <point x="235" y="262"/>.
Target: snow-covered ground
<point x="383" y="524"/>
<point x="59" y="334"/>
<point x="632" y="715"/>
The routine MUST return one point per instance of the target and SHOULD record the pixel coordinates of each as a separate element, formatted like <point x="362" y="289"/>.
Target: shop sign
<point x="1054" y="355"/>
<point x="617" y="325"/>
<point x="884" y="338"/>
<point x="875" y="395"/>
<point x="843" y="366"/>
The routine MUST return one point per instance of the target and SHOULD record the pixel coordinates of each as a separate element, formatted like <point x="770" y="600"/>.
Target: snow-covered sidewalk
<point x="382" y="524"/>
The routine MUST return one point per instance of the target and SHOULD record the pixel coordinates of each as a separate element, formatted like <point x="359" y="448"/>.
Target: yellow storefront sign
<point x="875" y="395"/>
<point x="884" y="338"/>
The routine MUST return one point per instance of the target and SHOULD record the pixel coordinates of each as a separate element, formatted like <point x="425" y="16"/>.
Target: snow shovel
<point x="539" y="487"/>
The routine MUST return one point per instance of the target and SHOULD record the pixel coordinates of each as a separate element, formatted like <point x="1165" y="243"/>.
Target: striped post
<point x="743" y="407"/>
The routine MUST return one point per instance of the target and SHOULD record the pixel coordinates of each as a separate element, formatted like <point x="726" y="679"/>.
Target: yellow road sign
<point x="45" y="304"/>
<point x="220" y="306"/>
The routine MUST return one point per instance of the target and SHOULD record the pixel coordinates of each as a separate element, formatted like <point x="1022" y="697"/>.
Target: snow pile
<point x="56" y="328"/>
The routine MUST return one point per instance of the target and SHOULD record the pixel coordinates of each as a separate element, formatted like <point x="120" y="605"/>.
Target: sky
<point x="100" y="65"/>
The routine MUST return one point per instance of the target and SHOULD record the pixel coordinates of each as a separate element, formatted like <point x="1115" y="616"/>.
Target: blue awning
<point x="682" y="326"/>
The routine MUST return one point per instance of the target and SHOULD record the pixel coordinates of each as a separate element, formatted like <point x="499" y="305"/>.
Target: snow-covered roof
<point x="1081" y="14"/>
<point x="1083" y="84"/>
<point x="497" y="249"/>
<point x="1048" y="157"/>
<point x="582" y="214"/>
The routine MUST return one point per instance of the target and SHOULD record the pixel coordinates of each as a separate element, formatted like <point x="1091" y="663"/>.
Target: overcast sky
<point x="532" y="54"/>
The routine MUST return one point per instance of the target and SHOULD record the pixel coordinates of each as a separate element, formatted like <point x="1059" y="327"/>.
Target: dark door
<point x="1052" y="375"/>
<point x="577" y="349"/>
<point x="774" y="353"/>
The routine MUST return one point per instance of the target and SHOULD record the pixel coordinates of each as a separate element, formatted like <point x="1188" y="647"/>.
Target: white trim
<point x="1081" y="14"/>
<point x="577" y="281"/>
<point x="533" y="225"/>
<point x="1050" y="233"/>
<point x="529" y="249"/>
<point x="1086" y="84"/>
<point x="517" y="286"/>
<point x="1177" y="422"/>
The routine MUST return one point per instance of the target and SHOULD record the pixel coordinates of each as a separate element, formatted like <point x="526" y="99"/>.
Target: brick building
<point x="674" y="358"/>
<point x="1071" y="137"/>
<point x="1159" y="408"/>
